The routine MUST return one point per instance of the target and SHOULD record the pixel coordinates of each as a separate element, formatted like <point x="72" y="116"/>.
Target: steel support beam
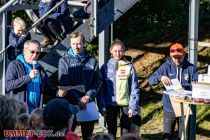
<point x="193" y="45"/>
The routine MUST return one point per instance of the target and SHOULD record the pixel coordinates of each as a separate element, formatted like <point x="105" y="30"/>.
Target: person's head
<point x="18" y="25"/>
<point x="117" y="49"/>
<point x="7" y="116"/>
<point x="130" y="136"/>
<point x="102" y="136"/>
<point x="14" y="106"/>
<point x="36" y="119"/>
<point x="31" y="51"/>
<point x="22" y="122"/>
<point x="177" y="53"/>
<point x="58" y="114"/>
<point x="23" y="107"/>
<point x="77" y="41"/>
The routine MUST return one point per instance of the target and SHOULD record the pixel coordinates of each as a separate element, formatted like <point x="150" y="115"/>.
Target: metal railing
<point x="3" y="12"/>
<point x="38" y="21"/>
<point x="7" y="5"/>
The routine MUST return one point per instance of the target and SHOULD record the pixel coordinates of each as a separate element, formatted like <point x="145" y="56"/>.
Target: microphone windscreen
<point x="34" y="64"/>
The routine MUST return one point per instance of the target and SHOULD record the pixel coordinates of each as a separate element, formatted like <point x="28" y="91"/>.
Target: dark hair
<point x="7" y="116"/>
<point x="22" y="122"/>
<point x="130" y="136"/>
<point x="102" y="136"/>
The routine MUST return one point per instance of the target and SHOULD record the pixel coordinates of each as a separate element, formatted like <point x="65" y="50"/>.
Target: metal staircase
<point x="99" y="20"/>
<point x="104" y="17"/>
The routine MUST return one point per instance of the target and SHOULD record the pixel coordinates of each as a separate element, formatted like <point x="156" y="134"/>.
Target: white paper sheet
<point x="89" y="114"/>
<point x="174" y="86"/>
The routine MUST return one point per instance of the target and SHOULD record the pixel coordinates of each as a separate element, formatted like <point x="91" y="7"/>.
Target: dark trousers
<point x="50" y="28"/>
<point x="170" y="121"/>
<point x="111" y="119"/>
<point x="86" y="128"/>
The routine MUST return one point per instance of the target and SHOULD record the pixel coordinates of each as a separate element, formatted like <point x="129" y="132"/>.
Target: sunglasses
<point x="33" y="52"/>
<point x="180" y="50"/>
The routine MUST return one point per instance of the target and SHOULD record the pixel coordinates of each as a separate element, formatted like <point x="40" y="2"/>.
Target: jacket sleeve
<point x="194" y="74"/>
<point x="155" y="78"/>
<point x="134" y="90"/>
<point x="16" y="42"/>
<point x="44" y="7"/>
<point x="12" y="79"/>
<point x="72" y="95"/>
<point x="96" y="83"/>
<point x="48" y="87"/>
<point x="100" y="96"/>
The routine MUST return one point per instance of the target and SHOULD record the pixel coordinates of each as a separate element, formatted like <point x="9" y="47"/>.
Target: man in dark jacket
<point x="78" y="67"/>
<point x="176" y="67"/>
<point x="26" y="80"/>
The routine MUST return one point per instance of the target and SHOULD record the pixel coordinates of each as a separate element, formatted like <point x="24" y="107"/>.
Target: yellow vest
<point x="122" y="89"/>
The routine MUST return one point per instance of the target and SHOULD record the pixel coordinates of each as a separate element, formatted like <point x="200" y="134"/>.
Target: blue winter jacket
<point x="126" y="73"/>
<point x="17" y="80"/>
<point x="72" y="72"/>
<point x="16" y="44"/>
<point x="61" y="13"/>
<point x="186" y="73"/>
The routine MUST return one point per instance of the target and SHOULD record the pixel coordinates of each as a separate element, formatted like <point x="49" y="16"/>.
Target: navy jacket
<point x="72" y="72"/>
<point x="17" y="80"/>
<point x="186" y="73"/>
<point x="16" y="44"/>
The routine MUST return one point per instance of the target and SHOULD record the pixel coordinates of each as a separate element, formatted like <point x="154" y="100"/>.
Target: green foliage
<point x="93" y="49"/>
<point x="152" y="15"/>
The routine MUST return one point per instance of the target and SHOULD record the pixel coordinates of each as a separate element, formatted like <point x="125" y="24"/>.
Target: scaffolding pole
<point x="193" y="45"/>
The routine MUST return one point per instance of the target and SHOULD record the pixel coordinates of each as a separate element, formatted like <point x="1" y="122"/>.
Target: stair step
<point x="105" y="16"/>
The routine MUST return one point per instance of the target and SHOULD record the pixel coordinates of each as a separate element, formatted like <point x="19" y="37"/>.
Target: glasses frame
<point x="34" y="52"/>
<point x="180" y="50"/>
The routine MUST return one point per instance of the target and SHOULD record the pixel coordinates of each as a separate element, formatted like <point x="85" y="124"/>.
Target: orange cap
<point x="176" y="50"/>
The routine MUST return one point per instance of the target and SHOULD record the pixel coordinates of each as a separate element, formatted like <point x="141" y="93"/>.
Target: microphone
<point x="34" y="64"/>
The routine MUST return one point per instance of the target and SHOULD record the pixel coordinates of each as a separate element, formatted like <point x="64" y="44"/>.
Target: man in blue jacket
<point x="26" y="80"/>
<point x="176" y="67"/>
<point x="78" y="67"/>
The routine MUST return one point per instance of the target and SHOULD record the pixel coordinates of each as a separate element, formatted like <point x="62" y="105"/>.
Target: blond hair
<point x="19" y="21"/>
<point x="77" y="34"/>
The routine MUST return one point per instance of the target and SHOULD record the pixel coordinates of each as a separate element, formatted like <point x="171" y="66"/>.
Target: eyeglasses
<point x="180" y="50"/>
<point x="33" y="52"/>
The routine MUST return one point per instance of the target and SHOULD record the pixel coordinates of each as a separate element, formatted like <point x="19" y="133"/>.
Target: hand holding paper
<point x="165" y="80"/>
<point x="175" y="85"/>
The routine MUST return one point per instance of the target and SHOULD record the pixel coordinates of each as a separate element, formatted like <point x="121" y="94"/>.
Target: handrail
<point x="7" y="5"/>
<point x="38" y="21"/>
<point x="45" y="15"/>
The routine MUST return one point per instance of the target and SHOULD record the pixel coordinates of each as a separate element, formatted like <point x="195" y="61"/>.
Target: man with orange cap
<point x="176" y="67"/>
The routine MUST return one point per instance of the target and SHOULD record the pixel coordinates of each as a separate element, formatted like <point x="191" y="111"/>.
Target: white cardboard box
<point x="204" y="78"/>
<point x="201" y="90"/>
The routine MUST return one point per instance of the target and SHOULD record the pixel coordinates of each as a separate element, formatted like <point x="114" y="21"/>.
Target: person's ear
<point x="110" y="50"/>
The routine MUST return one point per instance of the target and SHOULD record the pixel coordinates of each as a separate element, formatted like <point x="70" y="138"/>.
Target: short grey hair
<point x="28" y="42"/>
